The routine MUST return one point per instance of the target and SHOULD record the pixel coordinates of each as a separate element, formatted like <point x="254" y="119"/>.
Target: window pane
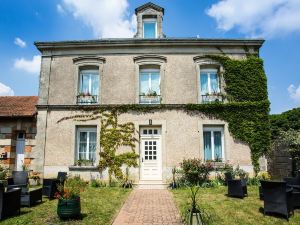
<point x="207" y="145"/>
<point x="149" y="29"/>
<point x="95" y="84"/>
<point x="85" y="83"/>
<point x="144" y="83"/>
<point x="214" y="85"/>
<point x="204" y="83"/>
<point x="218" y="144"/>
<point x="89" y="82"/>
<point x="155" y="80"/>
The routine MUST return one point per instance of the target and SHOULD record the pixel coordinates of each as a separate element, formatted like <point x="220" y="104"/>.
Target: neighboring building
<point x="17" y="131"/>
<point x="146" y="69"/>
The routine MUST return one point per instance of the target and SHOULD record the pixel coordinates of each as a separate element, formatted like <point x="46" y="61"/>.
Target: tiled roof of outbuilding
<point x="18" y="106"/>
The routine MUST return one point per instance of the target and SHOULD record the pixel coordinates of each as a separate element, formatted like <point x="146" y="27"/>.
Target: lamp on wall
<point x="150" y="121"/>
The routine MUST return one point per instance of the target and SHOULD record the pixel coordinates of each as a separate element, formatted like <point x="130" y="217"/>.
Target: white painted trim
<point x="211" y="128"/>
<point x="149" y="20"/>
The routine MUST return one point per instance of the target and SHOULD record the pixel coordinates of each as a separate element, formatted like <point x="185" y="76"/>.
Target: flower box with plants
<point x="84" y="162"/>
<point x="34" y="178"/>
<point x="68" y="196"/>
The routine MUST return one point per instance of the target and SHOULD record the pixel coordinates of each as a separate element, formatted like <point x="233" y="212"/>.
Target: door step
<point x="151" y="184"/>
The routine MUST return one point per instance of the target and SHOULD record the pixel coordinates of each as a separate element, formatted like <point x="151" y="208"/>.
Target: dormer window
<point x="149" y="28"/>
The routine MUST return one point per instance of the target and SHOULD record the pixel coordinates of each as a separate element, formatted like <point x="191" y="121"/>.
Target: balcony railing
<point x="87" y="99"/>
<point x="150" y="99"/>
<point x="212" y="98"/>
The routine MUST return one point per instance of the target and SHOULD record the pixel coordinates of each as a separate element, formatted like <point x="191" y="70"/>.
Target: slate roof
<point x="18" y="106"/>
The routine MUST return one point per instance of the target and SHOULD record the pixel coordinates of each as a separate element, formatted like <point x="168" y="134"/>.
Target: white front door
<point x="20" y="151"/>
<point x="150" y="154"/>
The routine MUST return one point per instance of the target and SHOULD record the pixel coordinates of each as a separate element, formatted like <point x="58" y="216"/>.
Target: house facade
<point x="17" y="131"/>
<point x="146" y="70"/>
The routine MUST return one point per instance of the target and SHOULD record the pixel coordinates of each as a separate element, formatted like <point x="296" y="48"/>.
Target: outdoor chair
<point x="277" y="198"/>
<point x="10" y="203"/>
<point x="31" y="197"/>
<point x="19" y="179"/>
<point x="228" y="176"/>
<point x="293" y="182"/>
<point x="237" y="188"/>
<point x="50" y="185"/>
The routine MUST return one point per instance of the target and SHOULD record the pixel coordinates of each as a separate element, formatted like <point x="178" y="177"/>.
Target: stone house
<point x="17" y="131"/>
<point x="148" y="69"/>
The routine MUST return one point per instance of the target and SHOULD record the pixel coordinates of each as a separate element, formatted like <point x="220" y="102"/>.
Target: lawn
<point x="98" y="207"/>
<point x="225" y="210"/>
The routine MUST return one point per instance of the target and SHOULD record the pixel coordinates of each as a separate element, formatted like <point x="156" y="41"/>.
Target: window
<point x="210" y="86"/>
<point x="89" y="86"/>
<point x="213" y="142"/>
<point x="86" y="143"/>
<point x="150" y="86"/>
<point x="149" y="28"/>
<point x="209" y="82"/>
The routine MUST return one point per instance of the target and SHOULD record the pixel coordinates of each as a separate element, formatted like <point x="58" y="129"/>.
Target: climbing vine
<point x="246" y="110"/>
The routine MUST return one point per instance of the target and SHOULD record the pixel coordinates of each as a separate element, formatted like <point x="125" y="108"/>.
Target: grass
<point x="98" y="207"/>
<point x="225" y="210"/>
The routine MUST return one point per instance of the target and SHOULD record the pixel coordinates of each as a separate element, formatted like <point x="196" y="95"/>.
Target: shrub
<point x="71" y="188"/>
<point x="97" y="183"/>
<point x="263" y="175"/>
<point x="195" y="172"/>
<point x="3" y="173"/>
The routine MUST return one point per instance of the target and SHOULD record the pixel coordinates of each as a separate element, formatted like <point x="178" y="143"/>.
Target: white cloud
<point x="263" y="18"/>
<point x="5" y="90"/>
<point x="60" y="9"/>
<point x="107" y="18"/>
<point x="294" y="92"/>
<point x="29" y="66"/>
<point x="18" y="41"/>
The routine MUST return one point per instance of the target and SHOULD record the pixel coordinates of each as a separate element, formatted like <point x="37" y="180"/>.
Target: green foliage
<point x="4" y="171"/>
<point x="291" y="139"/>
<point x="97" y="183"/>
<point x="112" y="137"/>
<point x="71" y="188"/>
<point x="285" y="121"/>
<point x="195" y="172"/>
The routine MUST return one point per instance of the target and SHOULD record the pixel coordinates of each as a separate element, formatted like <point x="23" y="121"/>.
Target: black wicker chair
<point x="50" y="185"/>
<point x="10" y="203"/>
<point x="19" y="179"/>
<point x="228" y="176"/>
<point x="277" y="198"/>
<point x="237" y="188"/>
<point x="293" y="181"/>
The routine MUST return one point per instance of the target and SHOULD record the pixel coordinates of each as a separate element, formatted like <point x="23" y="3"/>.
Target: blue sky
<point x="24" y="21"/>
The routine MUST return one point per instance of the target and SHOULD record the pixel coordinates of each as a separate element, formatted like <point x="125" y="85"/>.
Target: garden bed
<point x="98" y="206"/>
<point x="225" y="210"/>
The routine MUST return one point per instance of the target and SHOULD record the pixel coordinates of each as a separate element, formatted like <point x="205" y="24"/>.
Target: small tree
<point x="112" y="137"/>
<point x="291" y="139"/>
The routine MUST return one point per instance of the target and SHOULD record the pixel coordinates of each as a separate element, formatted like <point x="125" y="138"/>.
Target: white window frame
<point x="89" y="71"/>
<point x="88" y="130"/>
<point x="211" y="130"/>
<point x="150" y="71"/>
<point x="209" y="72"/>
<point x="150" y="20"/>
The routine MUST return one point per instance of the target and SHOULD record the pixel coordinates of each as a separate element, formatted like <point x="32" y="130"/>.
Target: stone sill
<point x="83" y="168"/>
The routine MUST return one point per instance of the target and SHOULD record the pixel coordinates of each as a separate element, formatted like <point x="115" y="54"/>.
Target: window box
<point x="150" y="99"/>
<point x="87" y="99"/>
<point x="83" y="168"/>
<point x="213" y="98"/>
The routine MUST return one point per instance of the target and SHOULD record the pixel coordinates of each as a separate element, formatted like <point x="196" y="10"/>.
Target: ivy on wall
<point x="246" y="111"/>
<point x="112" y="136"/>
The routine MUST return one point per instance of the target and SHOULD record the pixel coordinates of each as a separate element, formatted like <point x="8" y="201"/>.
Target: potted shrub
<point x="127" y="183"/>
<point x="34" y="179"/>
<point x="173" y="184"/>
<point x="68" y="196"/>
<point x="195" y="215"/>
<point x="263" y="175"/>
<point x="4" y="175"/>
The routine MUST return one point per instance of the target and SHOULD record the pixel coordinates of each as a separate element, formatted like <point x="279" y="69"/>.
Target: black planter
<point x="68" y="208"/>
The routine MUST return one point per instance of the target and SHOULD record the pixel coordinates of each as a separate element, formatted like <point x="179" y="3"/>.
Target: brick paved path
<point x="149" y="207"/>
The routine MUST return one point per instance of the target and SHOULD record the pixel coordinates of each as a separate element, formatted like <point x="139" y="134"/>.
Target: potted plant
<point x="68" y="196"/>
<point x="195" y="215"/>
<point x="174" y="184"/>
<point x="127" y="183"/>
<point x="263" y="175"/>
<point x="34" y="179"/>
<point x="4" y="175"/>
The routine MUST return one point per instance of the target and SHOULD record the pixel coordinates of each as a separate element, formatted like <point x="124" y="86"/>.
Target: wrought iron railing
<point x="150" y="99"/>
<point x="87" y="99"/>
<point x="212" y="98"/>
